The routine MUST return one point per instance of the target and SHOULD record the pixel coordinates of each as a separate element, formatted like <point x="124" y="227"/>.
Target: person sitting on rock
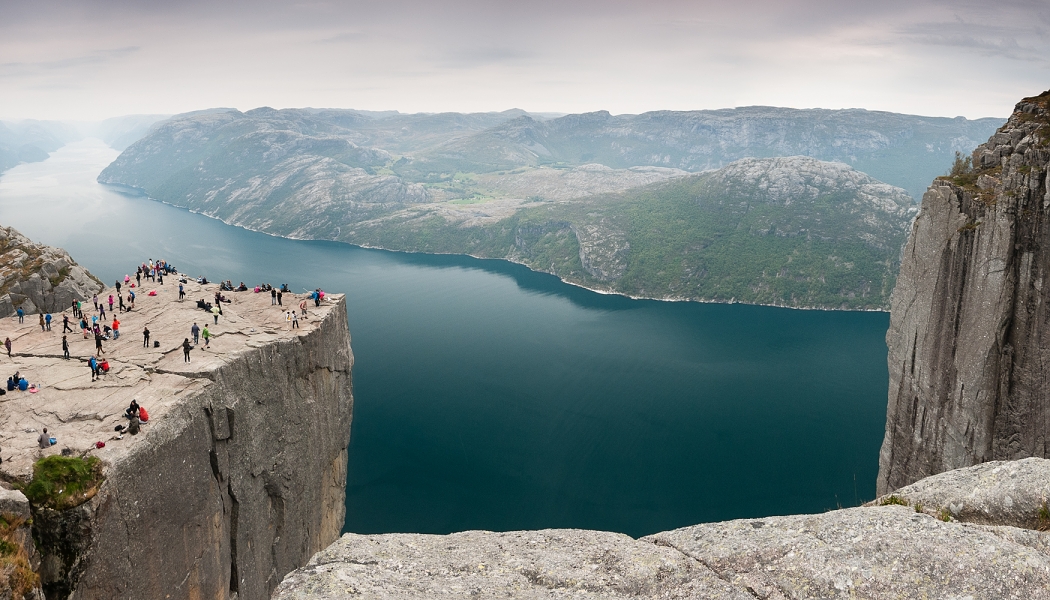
<point x="131" y="408"/>
<point x="44" y="440"/>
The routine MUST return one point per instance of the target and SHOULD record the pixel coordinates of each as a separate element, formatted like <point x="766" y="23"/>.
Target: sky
<point x="93" y="59"/>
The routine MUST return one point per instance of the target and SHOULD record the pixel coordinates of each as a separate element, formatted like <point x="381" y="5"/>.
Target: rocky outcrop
<point x="969" y="320"/>
<point x="39" y="278"/>
<point x="18" y="556"/>
<point x="238" y="478"/>
<point x="888" y="551"/>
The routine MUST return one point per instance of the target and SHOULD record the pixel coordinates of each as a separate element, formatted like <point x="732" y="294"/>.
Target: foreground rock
<point x="873" y="552"/>
<point x="39" y="278"/>
<point x="240" y="475"/>
<point x="967" y="348"/>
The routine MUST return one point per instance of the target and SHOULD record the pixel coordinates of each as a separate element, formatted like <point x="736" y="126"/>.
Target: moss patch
<point x="61" y="482"/>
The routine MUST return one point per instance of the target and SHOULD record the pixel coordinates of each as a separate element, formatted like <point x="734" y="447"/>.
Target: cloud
<point x="25" y="69"/>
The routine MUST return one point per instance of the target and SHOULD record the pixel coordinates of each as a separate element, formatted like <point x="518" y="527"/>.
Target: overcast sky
<point x="85" y="59"/>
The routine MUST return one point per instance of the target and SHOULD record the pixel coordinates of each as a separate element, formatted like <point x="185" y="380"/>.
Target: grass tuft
<point x="893" y="500"/>
<point x="62" y="482"/>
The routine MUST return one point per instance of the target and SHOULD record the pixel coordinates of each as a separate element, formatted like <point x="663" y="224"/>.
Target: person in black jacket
<point x="186" y="349"/>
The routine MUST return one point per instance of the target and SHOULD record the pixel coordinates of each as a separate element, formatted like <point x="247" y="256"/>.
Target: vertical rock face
<point x="240" y="483"/>
<point x="969" y="338"/>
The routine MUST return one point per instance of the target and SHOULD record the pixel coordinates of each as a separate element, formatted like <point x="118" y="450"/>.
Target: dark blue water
<point x="491" y="397"/>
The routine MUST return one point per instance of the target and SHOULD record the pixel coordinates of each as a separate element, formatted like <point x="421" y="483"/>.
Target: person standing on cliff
<point x="273" y="296"/>
<point x="42" y="323"/>
<point x="116" y="328"/>
<point x="98" y="343"/>
<point x="145" y="337"/>
<point x="295" y="320"/>
<point x="186" y="349"/>
<point x="215" y="312"/>
<point x="182" y="292"/>
<point x="111" y="303"/>
<point x="207" y="336"/>
<point x="47" y="321"/>
<point x="195" y="331"/>
<point x="120" y="300"/>
<point x="95" y="300"/>
<point x="21" y="315"/>
<point x="65" y="324"/>
<point x="65" y="348"/>
<point x="7" y="344"/>
<point x="279" y="294"/>
<point x="117" y="285"/>
<point x="74" y="307"/>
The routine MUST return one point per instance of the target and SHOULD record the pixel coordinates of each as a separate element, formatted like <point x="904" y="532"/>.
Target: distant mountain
<point x="904" y="150"/>
<point x="461" y="182"/>
<point x="791" y="231"/>
<point x="121" y="132"/>
<point x="32" y="141"/>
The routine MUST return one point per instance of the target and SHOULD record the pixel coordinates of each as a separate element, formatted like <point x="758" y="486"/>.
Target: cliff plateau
<point x="238" y="478"/>
<point x="969" y="336"/>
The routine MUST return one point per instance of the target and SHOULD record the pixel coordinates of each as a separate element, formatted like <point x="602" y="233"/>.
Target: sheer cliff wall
<point x="241" y="484"/>
<point x="239" y="477"/>
<point x="969" y="337"/>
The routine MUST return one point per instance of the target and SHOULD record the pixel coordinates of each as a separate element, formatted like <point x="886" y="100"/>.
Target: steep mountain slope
<point x="968" y="333"/>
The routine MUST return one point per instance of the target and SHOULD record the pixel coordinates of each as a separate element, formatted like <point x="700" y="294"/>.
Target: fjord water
<point x="491" y="397"/>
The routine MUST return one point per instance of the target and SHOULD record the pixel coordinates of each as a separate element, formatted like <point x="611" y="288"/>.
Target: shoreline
<point x="144" y="194"/>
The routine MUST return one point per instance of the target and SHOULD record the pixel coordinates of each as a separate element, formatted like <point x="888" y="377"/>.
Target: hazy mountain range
<point x="690" y="205"/>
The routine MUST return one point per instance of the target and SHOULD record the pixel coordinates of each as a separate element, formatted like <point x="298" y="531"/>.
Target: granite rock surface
<point x="877" y="551"/>
<point x="39" y="278"/>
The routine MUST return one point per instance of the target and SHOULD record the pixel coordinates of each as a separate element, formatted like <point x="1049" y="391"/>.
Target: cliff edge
<point x="970" y="317"/>
<point x="239" y="476"/>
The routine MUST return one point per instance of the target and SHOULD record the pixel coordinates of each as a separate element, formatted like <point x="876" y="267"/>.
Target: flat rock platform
<point x="80" y="412"/>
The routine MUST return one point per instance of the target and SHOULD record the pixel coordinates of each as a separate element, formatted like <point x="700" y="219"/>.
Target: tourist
<point x="47" y="321"/>
<point x="65" y="347"/>
<point x="302" y="307"/>
<point x="207" y="336"/>
<point x="74" y="307"/>
<point x="138" y="277"/>
<point x="120" y="299"/>
<point x="182" y="292"/>
<point x="98" y="342"/>
<point x="145" y="337"/>
<point x="279" y="294"/>
<point x="116" y="328"/>
<point x="160" y="277"/>
<point x="41" y="315"/>
<point x="215" y="312"/>
<point x="132" y="408"/>
<point x="95" y="300"/>
<point x="21" y="314"/>
<point x="111" y="303"/>
<point x="186" y="348"/>
<point x="65" y="324"/>
<point x="295" y="320"/>
<point x="7" y="344"/>
<point x="117" y="285"/>
<point x="273" y="297"/>
<point x="93" y="364"/>
<point x="80" y="309"/>
<point x="195" y="331"/>
<point x="102" y="311"/>
<point x="44" y="440"/>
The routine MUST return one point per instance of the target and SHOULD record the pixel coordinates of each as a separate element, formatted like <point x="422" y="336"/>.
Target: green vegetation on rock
<point x="61" y="482"/>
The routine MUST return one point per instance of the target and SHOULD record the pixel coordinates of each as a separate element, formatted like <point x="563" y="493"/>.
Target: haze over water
<point x="491" y="397"/>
